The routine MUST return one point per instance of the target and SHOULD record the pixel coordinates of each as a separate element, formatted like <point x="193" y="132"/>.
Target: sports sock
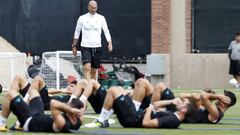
<point x="104" y="115"/>
<point x="83" y="99"/>
<point x="72" y="96"/>
<point x="109" y="114"/>
<point x="137" y="104"/>
<point x="26" y="97"/>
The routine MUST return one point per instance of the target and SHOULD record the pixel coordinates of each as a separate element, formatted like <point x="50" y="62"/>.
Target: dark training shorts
<point x="234" y="68"/>
<point x="97" y="100"/>
<point x="92" y="56"/>
<point x="168" y="95"/>
<point x="23" y="111"/>
<point x="166" y="119"/>
<point x="126" y="113"/>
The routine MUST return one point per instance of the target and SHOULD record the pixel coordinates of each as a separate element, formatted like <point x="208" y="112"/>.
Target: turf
<point x="229" y="125"/>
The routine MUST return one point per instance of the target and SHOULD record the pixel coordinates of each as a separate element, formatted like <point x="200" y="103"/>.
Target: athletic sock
<point x="2" y="121"/>
<point x="26" y="97"/>
<point x="137" y="104"/>
<point x="104" y="115"/>
<point x="72" y="96"/>
<point x="109" y="114"/>
<point x="83" y="99"/>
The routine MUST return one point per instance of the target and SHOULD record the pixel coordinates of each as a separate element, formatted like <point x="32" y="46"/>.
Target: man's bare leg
<point x="142" y="89"/>
<point x="79" y="89"/>
<point x="93" y="73"/>
<point x="11" y="94"/>
<point x="112" y="94"/>
<point x="158" y="90"/>
<point x="87" y="71"/>
<point x="19" y="82"/>
<point x="37" y="84"/>
<point x="238" y="80"/>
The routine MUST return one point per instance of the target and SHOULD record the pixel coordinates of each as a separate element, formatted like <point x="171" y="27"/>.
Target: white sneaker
<point x="3" y="126"/>
<point x="233" y="81"/>
<point x="237" y="86"/>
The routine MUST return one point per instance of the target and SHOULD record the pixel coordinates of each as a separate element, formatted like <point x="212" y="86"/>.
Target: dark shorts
<point x="125" y="110"/>
<point x="23" y="111"/>
<point x="97" y="100"/>
<point x="24" y="91"/>
<point x="146" y="102"/>
<point x="45" y="98"/>
<point x="61" y="98"/>
<point x="166" y="119"/>
<point x="168" y="95"/>
<point x="234" y="68"/>
<point x="92" y="56"/>
<point x="201" y="116"/>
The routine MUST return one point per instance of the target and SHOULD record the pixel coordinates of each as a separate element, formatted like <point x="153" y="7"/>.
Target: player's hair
<point x="237" y="34"/>
<point x="73" y="82"/>
<point x="0" y="88"/>
<point x="191" y="108"/>
<point x="232" y="97"/>
<point x="209" y="90"/>
<point x="92" y="0"/>
<point x="75" y="103"/>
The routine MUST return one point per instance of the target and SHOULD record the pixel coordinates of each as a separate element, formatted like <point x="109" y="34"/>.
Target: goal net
<point x="60" y="66"/>
<point x="12" y="64"/>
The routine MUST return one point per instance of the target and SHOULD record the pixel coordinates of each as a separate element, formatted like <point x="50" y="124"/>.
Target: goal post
<point x="12" y="64"/>
<point x="57" y="67"/>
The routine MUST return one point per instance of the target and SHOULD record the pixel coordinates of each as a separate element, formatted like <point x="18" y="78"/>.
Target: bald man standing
<point x="91" y="25"/>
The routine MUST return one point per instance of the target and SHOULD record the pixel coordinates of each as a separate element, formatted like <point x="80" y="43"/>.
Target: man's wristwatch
<point x="73" y="46"/>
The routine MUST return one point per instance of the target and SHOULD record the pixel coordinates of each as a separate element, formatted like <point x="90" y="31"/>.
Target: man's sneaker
<point x="16" y="127"/>
<point x="97" y="123"/>
<point x="3" y="128"/>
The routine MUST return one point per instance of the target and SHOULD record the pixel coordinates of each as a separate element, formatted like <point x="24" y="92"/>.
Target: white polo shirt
<point x="91" y="27"/>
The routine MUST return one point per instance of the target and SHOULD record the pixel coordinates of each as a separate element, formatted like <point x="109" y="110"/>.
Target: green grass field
<point x="225" y="127"/>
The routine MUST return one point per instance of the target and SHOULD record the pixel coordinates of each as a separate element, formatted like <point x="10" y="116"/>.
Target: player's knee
<point x="82" y="82"/>
<point x="141" y="82"/>
<point x="114" y="90"/>
<point x="92" y="81"/>
<point x="111" y="90"/>
<point x="160" y="87"/>
<point x="38" y="78"/>
<point x="18" y="78"/>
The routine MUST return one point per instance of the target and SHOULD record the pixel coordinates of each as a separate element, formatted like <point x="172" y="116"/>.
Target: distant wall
<point x="193" y="71"/>
<point x="199" y="71"/>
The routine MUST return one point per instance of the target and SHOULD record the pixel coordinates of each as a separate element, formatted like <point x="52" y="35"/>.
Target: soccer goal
<point x="12" y="64"/>
<point x="60" y="66"/>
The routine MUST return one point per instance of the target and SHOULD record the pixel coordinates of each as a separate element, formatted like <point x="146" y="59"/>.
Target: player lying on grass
<point x="96" y="94"/>
<point x="31" y="114"/>
<point x="211" y="107"/>
<point x="142" y="93"/>
<point x="208" y="111"/>
<point x="129" y="115"/>
<point x="22" y="85"/>
<point x="141" y="98"/>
